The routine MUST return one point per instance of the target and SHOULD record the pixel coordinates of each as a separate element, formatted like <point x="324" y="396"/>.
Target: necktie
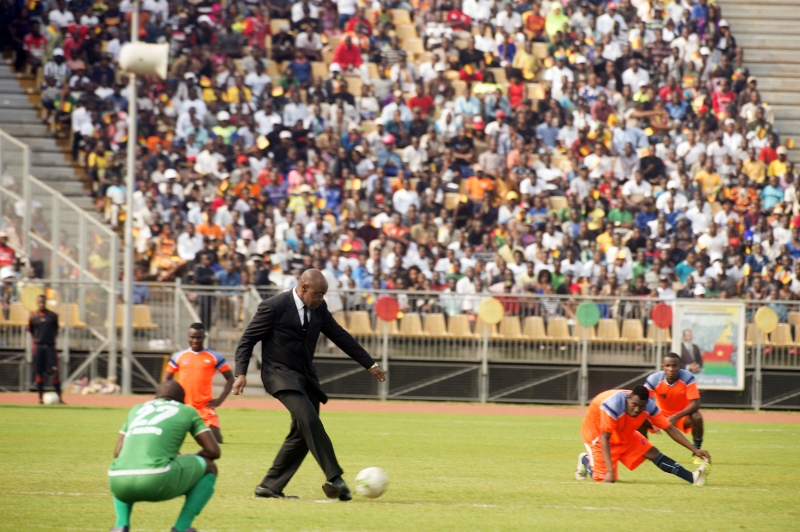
<point x="305" y="318"/>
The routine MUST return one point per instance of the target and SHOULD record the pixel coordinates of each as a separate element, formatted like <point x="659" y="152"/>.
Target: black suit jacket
<point x="287" y="350"/>
<point x="690" y="357"/>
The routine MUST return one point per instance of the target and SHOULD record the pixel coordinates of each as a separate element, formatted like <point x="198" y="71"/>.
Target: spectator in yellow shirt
<point x="754" y="168"/>
<point x="239" y="93"/>
<point x="778" y="166"/>
<point x="709" y="180"/>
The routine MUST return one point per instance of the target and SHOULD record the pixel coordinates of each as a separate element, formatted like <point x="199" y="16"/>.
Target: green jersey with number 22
<point x="154" y="433"/>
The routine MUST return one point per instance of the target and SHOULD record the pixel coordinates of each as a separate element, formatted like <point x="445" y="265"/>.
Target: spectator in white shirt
<point x="190" y="243"/>
<point x="405" y="197"/>
<point x="508" y="20"/>
<point x="60" y="16"/>
<point x="294" y="110"/>
<point x="635" y="76"/>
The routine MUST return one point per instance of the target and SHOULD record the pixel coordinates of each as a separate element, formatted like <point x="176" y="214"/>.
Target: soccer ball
<point x="50" y="398"/>
<point x="372" y="482"/>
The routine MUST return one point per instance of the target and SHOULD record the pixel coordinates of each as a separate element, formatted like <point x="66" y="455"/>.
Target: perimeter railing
<point x="438" y="348"/>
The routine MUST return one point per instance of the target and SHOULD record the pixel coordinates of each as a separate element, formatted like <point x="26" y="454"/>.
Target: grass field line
<point x="612" y="509"/>
<point x="402" y="407"/>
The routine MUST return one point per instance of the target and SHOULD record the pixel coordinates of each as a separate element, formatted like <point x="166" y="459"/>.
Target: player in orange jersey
<point x="610" y="435"/>
<point x="675" y="392"/>
<point x="197" y="367"/>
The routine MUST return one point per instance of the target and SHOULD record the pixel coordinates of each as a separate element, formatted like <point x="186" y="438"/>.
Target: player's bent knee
<point x="697" y="416"/>
<point x="211" y="467"/>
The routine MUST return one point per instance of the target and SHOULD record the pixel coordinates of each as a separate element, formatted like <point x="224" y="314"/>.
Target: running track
<point x="401" y="407"/>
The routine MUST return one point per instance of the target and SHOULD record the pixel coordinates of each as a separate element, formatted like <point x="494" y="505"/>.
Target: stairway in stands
<point x="767" y="30"/>
<point x="50" y="158"/>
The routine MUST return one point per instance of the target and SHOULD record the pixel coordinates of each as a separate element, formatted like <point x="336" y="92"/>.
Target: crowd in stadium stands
<point x="457" y="146"/>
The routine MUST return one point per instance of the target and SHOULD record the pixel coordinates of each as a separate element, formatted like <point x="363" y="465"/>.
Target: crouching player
<point x="675" y="392"/>
<point x="610" y="434"/>
<point x="146" y="464"/>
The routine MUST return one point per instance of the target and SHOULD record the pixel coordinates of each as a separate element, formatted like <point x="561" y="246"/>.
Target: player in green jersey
<point x="146" y="464"/>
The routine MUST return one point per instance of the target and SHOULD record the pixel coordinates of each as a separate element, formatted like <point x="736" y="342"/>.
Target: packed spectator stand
<point x="504" y="147"/>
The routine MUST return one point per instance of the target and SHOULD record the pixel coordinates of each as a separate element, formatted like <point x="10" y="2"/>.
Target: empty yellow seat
<point x="340" y="318"/>
<point x="534" y="328"/>
<point x="435" y="326"/>
<point x="782" y="335"/>
<point x="142" y="319"/>
<point x="360" y="324"/>
<point x="632" y="331"/>
<point x="276" y="23"/>
<point x="411" y="325"/>
<point x="608" y="331"/>
<point x="71" y="313"/>
<point x="578" y="331"/>
<point x="558" y="329"/>
<point x="752" y="333"/>
<point x="17" y="314"/>
<point x="794" y="319"/>
<point x="652" y="333"/>
<point x="458" y="326"/>
<point x="510" y="328"/>
<point x="479" y="329"/>
<point x="318" y="68"/>
<point x="400" y="16"/>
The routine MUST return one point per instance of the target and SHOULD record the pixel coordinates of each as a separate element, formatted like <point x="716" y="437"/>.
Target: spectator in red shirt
<point x="72" y="44"/>
<point x="458" y="20"/>
<point x="769" y="152"/>
<point x="516" y="92"/>
<point x="7" y="255"/>
<point x="421" y="100"/>
<point x="722" y="99"/>
<point x="35" y="44"/>
<point x="359" y="18"/>
<point x="347" y="55"/>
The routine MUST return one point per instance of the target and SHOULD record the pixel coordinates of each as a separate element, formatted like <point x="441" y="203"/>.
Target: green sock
<point x="196" y="499"/>
<point x="123" y="510"/>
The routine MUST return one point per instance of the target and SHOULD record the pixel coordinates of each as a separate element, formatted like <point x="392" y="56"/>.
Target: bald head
<point x="170" y="390"/>
<point x="312" y="288"/>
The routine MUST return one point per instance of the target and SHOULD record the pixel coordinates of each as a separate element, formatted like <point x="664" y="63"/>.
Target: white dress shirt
<point x="300" y="306"/>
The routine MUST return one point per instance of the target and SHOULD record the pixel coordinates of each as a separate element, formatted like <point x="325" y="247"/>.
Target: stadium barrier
<point x="436" y="350"/>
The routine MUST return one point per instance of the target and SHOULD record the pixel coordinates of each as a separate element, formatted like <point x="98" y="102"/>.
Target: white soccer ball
<point x="50" y="398"/>
<point x="372" y="482"/>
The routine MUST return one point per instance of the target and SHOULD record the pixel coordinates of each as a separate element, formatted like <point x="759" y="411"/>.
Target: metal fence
<point x="438" y="349"/>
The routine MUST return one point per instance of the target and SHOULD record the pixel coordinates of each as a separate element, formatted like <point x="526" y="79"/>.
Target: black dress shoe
<point x="337" y="490"/>
<point x="267" y="493"/>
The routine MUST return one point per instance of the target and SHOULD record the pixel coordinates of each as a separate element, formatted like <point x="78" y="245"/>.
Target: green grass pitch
<point x="447" y="472"/>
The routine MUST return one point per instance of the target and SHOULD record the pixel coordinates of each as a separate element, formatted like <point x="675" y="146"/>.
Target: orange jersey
<point x="197" y="374"/>
<point x="672" y="398"/>
<point x="607" y="414"/>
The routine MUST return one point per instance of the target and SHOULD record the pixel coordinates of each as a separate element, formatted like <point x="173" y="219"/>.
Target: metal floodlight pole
<point x="130" y="185"/>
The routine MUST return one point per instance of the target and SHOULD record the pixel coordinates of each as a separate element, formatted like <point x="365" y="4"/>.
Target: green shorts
<point x="182" y="475"/>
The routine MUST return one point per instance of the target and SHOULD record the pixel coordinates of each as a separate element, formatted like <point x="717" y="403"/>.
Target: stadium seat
<point x="510" y="328"/>
<point x="413" y="45"/>
<point x="405" y="31"/>
<point x="318" y="68"/>
<point x="534" y="328"/>
<point x="411" y="325"/>
<point x="499" y="75"/>
<point x="354" y="84"/>
<point x="327" y="56"/>
<point x="372" y="70"/>
<point x="17" y="314"/>
<point x="435" y="326"/>
<point x="460" y="87"/>
<point x="400" y="16"/>
<point x="424" y="57"/>
<point x="451" y="200"/>
<point x="479" y="329"/>
<point x="72" y="313"/>
<point x="665" y="338"/>
<point x="341" y="318"/>
<point x="142" y="319"/>
<point x="794" y="319"/>
<point x="535" y="91"/>
<point x="558" y="203"/>
<point x="782" y="336"/>
<point x="360" y="323"/>
<point x="276" y="23"/>
<point x="558" y="329"/>
<point x="633" y="332"/>
<point x="608" y="331"/>
<point x="540" y="50"/>
<point x="577" y="332"/>
<point x="273" y="69"/>
<point x="458" y="326"/>
<point x="380" y="327"/>
<point x="368" y="126"/>
<point x="752" y="334"/>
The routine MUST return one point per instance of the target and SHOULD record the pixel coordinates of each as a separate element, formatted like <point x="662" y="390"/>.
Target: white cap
<point x="699" y="290"/>
<point x="171" y="173"/>
<point x="580" y="60"/>
<point x="189" y="75"/>
<point x="439" y="67"/>
<point x="730" y="121"/>
<point x="724" y="24"/>
<point x="58" y="51"/>
<point x="705" y="51"/>
<point x="285" y="134"/>
<point x="223" y="115"/>
<point x="204" y="18"/>
<point x="335" y="67"/>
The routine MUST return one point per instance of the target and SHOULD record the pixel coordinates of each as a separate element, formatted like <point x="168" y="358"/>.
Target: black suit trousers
<point x="306" y="434"/>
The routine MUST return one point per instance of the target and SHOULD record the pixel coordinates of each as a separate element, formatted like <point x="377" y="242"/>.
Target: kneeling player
<point x="146" y="464"/>
<point x="610" y="435"/>
<point x="675" y="392"/>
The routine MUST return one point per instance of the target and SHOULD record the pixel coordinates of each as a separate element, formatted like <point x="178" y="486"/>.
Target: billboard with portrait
<point x="709" y="336"/>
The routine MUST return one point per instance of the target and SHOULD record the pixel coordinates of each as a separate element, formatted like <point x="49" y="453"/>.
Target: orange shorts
<point x="209" y="416"/>
<point x="683" y="424"/>
<point x="630" y="453"/>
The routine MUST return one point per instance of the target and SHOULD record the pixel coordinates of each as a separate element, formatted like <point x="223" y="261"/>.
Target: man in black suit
<point x="288" y="326"/>
<point x="691" y="359"/>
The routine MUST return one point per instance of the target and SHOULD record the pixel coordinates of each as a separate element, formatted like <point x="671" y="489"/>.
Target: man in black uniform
<point x="43" y="326"/>
<point x="288" y="326"/>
